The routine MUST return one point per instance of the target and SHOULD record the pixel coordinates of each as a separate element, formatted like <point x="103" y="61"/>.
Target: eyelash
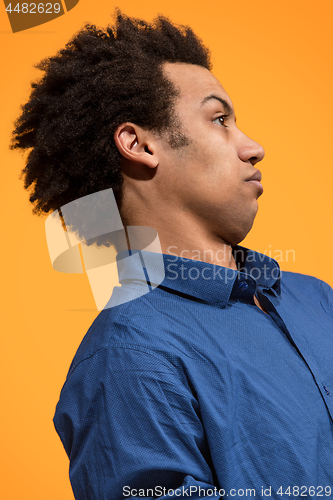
<point x="224" y="118"/>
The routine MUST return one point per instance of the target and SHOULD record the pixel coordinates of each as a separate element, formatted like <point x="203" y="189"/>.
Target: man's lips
<point x="256" y="176"/>
<point x="255" y="179"/>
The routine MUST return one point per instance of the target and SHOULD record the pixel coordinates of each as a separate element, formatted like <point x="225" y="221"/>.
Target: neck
<point x="214" y="252"/>
<point x="180" y="232"/>
<point x="195" y="245"/>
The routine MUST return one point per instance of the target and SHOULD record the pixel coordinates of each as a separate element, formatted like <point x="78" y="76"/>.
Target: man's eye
<point x="221" y="119"/>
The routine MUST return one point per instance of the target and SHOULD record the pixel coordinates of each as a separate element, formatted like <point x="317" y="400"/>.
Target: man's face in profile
<point x="208" y="177"/>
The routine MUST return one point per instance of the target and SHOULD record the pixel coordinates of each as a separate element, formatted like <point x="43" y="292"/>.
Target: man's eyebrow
<point x="229" y="110"/>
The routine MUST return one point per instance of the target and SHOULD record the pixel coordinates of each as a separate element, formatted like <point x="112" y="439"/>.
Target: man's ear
<point x="136" y="144"/>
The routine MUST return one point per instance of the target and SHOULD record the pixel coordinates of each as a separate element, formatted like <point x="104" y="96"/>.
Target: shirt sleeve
<point x="131" y="427"/>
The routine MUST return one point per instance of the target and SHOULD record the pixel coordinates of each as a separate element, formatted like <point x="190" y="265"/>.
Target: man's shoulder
<point x="306" y="287"/>
<point x="297" y="279"/>
<point x="132" y="325"/>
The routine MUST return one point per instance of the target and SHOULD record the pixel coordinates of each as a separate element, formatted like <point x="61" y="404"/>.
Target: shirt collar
<point x="202" y="281"/>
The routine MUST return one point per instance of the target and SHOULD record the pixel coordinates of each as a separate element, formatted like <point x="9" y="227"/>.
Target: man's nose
<point x="250" y="150"/>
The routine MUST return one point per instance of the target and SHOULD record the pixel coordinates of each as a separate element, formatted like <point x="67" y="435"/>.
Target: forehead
<point x="194" y="83"/>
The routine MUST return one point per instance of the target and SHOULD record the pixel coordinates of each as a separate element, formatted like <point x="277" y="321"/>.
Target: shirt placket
<point x="268" y="298"/>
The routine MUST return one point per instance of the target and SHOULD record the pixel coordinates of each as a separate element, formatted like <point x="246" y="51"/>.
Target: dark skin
<point x="216" y="209"/>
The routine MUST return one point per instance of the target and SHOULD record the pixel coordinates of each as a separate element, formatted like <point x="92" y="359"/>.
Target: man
<point x="217" y="382"/>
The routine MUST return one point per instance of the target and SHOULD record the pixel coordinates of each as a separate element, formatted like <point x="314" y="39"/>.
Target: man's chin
<point x="238" y="236"/>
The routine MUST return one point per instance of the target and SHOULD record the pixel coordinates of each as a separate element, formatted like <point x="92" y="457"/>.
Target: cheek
<point x="215" y="155"/>
<point x="205" y="165"/>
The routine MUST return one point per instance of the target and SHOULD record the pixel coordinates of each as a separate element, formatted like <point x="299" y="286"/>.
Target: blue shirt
<point x="188" y="389"/>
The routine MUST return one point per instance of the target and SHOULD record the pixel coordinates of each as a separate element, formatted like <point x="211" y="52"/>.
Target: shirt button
<point x="243" y="285"/>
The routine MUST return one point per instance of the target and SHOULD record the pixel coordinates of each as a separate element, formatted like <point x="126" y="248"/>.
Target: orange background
<point x="274" y="59"/>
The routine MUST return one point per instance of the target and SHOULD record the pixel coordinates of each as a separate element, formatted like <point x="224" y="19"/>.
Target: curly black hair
<point x="102" y="78"/>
